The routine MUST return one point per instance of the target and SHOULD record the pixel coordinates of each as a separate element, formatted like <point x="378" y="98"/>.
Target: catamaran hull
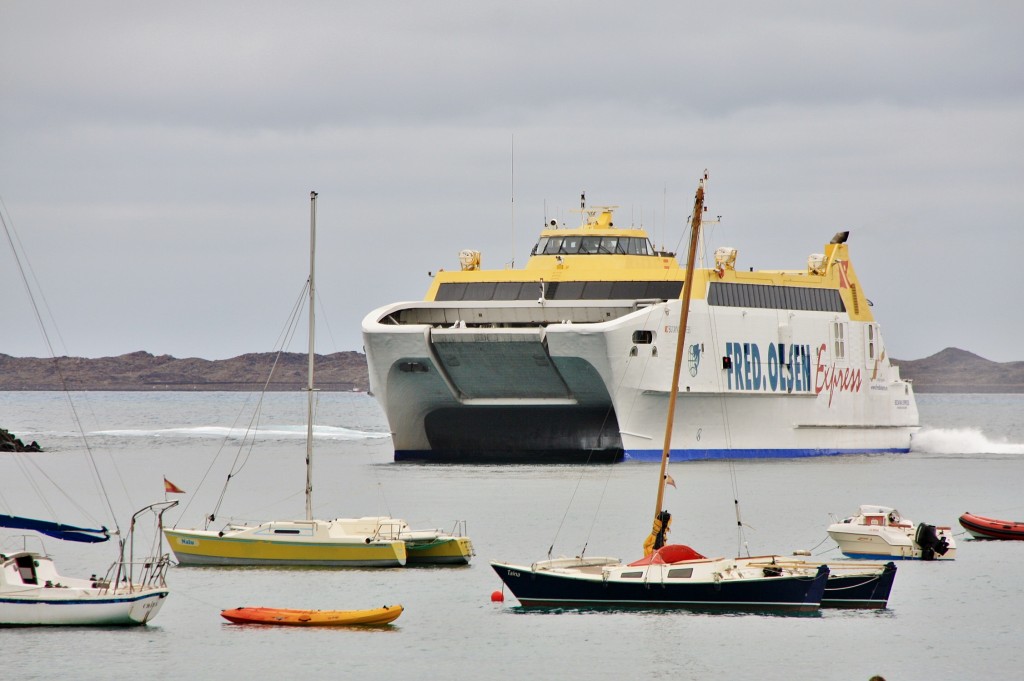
<point x="441" y="551"/>
<point x="50" y="607"/>
<point x="541" y="588"/>
<point x="757" y="384"/>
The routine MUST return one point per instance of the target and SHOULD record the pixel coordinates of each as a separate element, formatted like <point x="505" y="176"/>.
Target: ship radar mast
<point x="595" y="217"/>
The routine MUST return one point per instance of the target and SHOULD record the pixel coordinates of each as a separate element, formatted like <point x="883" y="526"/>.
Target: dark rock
<point x="10" y="443"/>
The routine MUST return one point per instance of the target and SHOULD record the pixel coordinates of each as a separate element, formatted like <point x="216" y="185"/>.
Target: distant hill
<point x="957" y="371"/>
<point x="951" y="370"/>
<point x="341" y="371"/>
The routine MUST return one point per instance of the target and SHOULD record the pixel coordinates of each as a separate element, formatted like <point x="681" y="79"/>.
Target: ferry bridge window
<point x="637" y="246"/>
<point x="552" y="245"/>
<point x="570" y="245"/>
<point x="591" y="244"/>
<point x="611" y="244"/>
<point x="643" y="337"/>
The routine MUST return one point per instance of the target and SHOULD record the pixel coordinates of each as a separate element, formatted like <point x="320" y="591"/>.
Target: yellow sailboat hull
<point x="204" y="547"/>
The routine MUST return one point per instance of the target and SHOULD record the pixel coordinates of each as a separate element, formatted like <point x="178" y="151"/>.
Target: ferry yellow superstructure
<point x="570" y="357"/>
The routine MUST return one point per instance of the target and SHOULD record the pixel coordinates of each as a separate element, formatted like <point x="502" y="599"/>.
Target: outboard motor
<point x="928" y="539"/>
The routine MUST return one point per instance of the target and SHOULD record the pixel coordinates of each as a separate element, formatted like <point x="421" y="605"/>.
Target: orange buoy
<point x="497" y="597"/>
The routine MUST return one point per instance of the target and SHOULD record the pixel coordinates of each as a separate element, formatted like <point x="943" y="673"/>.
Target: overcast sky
<point x="156" y="158"/>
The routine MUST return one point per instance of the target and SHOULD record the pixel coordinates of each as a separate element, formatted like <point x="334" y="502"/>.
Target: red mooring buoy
<point x="497" y="597"/>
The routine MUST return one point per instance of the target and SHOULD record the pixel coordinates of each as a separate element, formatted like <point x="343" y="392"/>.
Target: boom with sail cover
<point x="56" y="530"/>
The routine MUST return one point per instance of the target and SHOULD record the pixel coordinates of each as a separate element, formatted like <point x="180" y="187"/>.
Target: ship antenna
<point x="512" y="203"/>
<point x="664" y="213"/>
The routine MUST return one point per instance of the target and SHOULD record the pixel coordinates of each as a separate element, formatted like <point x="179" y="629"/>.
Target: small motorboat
<point x="880" y="532"/>
<point x="981" y="527"/>
<point x="313" y="618"/>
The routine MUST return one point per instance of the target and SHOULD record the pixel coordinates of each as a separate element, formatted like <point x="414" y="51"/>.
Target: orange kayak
<point x="313" y="618"/>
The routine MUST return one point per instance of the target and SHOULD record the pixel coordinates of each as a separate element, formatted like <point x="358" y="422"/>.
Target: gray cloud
<point x="156" y="160"/>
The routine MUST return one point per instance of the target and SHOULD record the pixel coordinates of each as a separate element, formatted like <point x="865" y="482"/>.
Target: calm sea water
<point x="945" y="620"/>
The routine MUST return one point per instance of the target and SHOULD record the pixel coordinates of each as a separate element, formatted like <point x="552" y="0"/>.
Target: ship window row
<point x="775" y="297"/>
<point x="560" y="290"/>
<point x="593" y="245"/>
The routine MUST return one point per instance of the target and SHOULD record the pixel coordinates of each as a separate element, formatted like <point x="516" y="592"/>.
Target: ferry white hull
<point x="558" y="383"/>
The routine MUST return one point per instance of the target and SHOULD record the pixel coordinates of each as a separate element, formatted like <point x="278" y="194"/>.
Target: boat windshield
<point x="593" y="245"/>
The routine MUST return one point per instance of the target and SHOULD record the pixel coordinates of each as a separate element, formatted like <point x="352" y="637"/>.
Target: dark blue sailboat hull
<point x="542" y="588"/>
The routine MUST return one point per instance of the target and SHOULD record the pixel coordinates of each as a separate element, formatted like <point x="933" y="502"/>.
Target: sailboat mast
<point x="312" y="348"/>
<point x="684" y="313"/>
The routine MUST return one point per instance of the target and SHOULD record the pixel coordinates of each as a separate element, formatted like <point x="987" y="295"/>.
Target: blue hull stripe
<point x="103" y="601"/>
<point x="883" y="556"/>
<point x="719" y="454"/>
<point x="676" y="454"/>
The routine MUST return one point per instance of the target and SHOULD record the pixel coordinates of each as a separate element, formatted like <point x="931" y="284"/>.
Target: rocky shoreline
<point x="10" y="443"/>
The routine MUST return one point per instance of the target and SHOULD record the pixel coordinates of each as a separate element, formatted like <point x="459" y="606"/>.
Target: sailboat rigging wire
<point x="741" y="540"/>
<point x="607" y="479"/>
<point x="19" y="256"/>
<point x="283" y="340"/>
<point x="243" y="453"/>
<point x="21" y="463"/>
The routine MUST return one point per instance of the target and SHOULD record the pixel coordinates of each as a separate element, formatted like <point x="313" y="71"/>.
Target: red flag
<point x="171" y="488"/>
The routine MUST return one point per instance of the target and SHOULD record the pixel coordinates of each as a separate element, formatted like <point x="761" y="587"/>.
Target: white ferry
<point x="570" y="358"/>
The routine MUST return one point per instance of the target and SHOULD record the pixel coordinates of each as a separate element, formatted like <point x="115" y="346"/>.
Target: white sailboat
<point x="372" y="541"/>
<point x="131" y="592"/>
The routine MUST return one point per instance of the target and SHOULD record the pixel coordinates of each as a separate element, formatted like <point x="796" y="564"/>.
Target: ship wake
<point x="960" y="441"/>
<point x="278" y="432"/>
